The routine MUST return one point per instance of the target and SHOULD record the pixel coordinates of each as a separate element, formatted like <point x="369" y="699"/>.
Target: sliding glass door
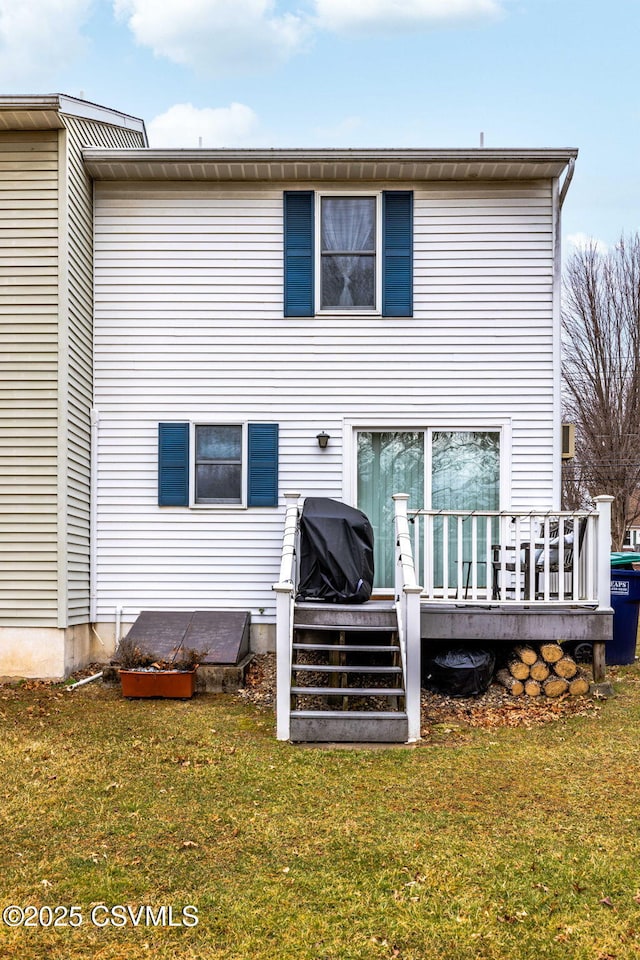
<point x="463" y="472"/>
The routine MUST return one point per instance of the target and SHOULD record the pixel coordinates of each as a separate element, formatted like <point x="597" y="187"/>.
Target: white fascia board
<point x="93" y="111"/>
<point x="44" y="111"/>
<point x="389" y="165"/>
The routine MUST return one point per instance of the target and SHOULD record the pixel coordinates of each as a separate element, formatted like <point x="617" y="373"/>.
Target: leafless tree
<point x="601" y="378"/>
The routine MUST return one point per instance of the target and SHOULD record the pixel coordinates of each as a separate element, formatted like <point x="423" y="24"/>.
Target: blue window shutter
<point x="173" y="464"/>
<point x="298" y="253"/>
<point x="397" y="253"/>
<point x="263" y="465"/>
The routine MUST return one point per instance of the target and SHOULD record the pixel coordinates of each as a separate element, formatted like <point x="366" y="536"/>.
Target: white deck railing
<point x="407" y="594"/>
<point x="514" y="556"/>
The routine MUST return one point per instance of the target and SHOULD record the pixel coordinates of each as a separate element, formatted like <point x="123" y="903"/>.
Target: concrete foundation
<point x="45" y="653"/>
<point x="263" y="637"/>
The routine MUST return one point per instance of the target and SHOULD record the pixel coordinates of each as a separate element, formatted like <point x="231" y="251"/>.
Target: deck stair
<point x="347" y="682"/>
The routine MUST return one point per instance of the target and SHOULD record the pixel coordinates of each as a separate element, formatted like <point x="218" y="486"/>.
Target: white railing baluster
<point x="429" y="552"/>
<point x="504" y="544"/>
<point x="474" y="558"/>
<point x="416" y="545"/>
<point x="561" y="549"/>
<point x="589" y="564"/>
<point x="545" y="557"/>
<point x="461" y="590"/>
<point x="445" y="556"/>
<point x="518" y="558"/>
<point x="488" y="558"/>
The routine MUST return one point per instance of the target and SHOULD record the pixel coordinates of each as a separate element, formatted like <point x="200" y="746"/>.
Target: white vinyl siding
<point x="46" y="329"/>
<point x="189" y="326"/>
<point x="29" y="372"/>
<point x="79" y="359"/>
<point x="484" y="282"/>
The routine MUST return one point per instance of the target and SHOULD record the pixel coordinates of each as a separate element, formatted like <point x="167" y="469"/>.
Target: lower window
<point x="218" y="463"/>
<point x="215" y="464"/>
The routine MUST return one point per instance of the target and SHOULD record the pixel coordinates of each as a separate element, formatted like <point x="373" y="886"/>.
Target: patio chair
<point x="524" y="568"/>
<point x="499" y="552"/>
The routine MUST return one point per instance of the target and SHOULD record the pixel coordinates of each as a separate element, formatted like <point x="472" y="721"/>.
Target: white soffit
<point x="43" y="113"/>
<point x="311" y="165"/>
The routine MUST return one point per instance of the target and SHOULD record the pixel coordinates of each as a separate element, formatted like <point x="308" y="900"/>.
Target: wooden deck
<point x="503" y="625"/>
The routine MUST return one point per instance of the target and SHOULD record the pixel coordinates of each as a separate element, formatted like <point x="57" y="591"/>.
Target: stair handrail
<point x="285" y="590"/>
<point x="407" y="598"/>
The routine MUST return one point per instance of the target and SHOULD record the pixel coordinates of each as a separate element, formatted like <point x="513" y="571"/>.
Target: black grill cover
<point x="336" y="552"/>
<point x="459" y="671"/>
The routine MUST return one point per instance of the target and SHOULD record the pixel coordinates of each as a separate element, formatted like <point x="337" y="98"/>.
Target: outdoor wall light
<point x="323" y="439"/>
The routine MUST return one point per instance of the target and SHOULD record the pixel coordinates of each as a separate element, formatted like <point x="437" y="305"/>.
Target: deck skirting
<point x="509" y="624"/>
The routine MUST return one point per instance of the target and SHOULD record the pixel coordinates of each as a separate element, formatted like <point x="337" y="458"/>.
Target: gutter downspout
<point x="566" y="182"/>
<point x="93" y="516"/>
<point x="560" y="192"/>
<point x="118" y="626"/>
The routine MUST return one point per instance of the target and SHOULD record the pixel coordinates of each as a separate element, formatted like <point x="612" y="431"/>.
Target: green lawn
<point x="480" y="843"/>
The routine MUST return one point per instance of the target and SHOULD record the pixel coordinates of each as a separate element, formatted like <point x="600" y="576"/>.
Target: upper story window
<point x="348" y="241"/>
<point x="348" y="253"/>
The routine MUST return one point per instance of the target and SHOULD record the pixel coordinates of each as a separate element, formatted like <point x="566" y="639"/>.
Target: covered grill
<point x="336" y="552"/>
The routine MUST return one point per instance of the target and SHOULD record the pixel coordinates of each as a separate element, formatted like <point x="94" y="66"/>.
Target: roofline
<point x="391" y="163"/>
<point x="280" y="155"/>
<point x="57" y="103"/>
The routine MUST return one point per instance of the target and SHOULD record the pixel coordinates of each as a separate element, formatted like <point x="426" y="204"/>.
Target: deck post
<point x="408" y="595"/>
<point x="285" y="589"/>
<point x="412" y="608"/>
<point x="603" y="576"/>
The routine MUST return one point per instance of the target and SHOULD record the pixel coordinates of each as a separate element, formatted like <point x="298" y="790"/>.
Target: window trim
<point x="220" y="504"/>
<point x="375" y="311"/>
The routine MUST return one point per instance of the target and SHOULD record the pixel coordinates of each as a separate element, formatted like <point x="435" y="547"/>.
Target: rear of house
<point x="193" y="335"/>
<point x="405" y="303"/>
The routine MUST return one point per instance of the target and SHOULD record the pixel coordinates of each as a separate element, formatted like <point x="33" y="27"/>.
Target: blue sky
<point x="358" y="73"/>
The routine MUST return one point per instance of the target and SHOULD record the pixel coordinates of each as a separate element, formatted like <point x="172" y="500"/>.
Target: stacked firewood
<point x="545" y="670"/>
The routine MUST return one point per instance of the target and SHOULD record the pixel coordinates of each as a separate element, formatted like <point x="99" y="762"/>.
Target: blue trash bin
<point x="625" y="600"/>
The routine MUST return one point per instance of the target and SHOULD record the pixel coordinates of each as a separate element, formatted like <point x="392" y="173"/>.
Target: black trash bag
<point x="459" y="671"/>
<point x="336" y="552"/>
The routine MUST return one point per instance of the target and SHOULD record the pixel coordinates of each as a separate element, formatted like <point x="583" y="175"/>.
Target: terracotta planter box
<point x="178" y="684"/>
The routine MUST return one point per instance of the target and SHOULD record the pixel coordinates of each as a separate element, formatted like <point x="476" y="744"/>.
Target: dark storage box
<point x="625" y="598"/>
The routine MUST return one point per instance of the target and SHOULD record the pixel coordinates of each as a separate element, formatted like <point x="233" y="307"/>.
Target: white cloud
<point x="38" y="37"/>
<point x="582" y="241"/>
<point x="401" y="14"/>
<point x="184" y="125"/>
<point x="215" y="36"/>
